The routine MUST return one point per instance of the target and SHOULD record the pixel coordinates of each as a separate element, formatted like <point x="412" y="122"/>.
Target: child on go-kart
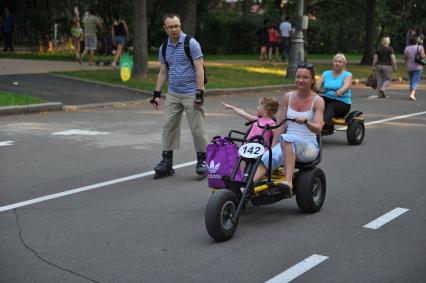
<point x="267" y="108"/>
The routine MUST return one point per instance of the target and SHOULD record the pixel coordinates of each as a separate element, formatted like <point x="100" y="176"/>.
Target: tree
<point x="189" y="16"/>
<point x="367" y="57"/>
<point x="246" y="8"/>
<point x="140" y="38"/>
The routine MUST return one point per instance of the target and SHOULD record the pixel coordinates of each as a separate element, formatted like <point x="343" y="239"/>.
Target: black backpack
<point x="187" y="52"/>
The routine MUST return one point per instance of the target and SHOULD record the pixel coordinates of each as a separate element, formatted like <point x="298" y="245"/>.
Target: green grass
<point x="226" y="75"/>
<point x="9" y="99"/>
<point x="113" y="77"/>
<point x="69" y="56"/>
<point x="229" y="76"/>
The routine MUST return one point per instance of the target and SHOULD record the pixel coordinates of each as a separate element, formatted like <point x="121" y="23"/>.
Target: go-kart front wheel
<point x="355" y="132"/>
<point x="310" y="188"/>
<point x="220" y="211"/>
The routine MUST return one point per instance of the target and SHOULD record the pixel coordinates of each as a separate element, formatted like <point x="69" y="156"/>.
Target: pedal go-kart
<point x="354" y="122"/>
<point x="225" y="205"/>
<point x="355" y="129"/>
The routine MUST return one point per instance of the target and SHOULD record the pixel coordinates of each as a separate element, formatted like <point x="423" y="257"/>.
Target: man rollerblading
<point x="165" y="167"/>
<point x="182" y="66"/>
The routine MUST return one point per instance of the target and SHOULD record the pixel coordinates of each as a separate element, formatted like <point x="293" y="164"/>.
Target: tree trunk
<point x="246" y="8"/>
<point x="367" y="57"/>
<point x="189" y="16"/>
<point x="140" y="42"/>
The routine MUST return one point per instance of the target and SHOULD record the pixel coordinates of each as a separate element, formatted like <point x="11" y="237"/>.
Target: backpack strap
<point x="187" y="49"/>
<point x="163" y="51"/>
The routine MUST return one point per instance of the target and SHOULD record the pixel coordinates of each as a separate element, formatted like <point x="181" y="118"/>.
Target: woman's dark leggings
<point x="334" y="108"/>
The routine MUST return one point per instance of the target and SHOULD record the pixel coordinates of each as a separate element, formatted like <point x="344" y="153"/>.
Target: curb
<point x="146" y="100"/>
<point x="223" y="91"/>
<point x="31" y="108"/>
<point x="103" y="104"/>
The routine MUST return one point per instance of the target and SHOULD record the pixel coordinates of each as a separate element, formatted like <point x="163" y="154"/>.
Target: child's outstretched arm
<point x="239" y="111"/>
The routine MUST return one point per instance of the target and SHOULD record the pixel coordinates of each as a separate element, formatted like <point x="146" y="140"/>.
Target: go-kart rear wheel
<point x="310" y="189"/>
<point x="355" y="132"/>
<point x="220" y="211"/>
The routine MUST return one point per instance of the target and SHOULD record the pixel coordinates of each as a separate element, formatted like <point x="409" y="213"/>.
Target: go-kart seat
<point x="347" y="119"/>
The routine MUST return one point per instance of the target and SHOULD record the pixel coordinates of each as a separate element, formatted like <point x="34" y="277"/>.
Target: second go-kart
<point x="355" y="129"/>
<point x="225" y="205"/>
<point x="354" y="122"/>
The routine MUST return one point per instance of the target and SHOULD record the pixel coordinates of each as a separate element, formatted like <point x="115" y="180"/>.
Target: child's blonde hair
<point x="270" y="104"/>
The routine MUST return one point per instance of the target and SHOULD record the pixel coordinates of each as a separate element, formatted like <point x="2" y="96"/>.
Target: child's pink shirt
<point x="255" y="130"/>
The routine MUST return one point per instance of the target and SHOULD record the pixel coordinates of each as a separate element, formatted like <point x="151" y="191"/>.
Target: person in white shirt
<point x="285" y="34"/>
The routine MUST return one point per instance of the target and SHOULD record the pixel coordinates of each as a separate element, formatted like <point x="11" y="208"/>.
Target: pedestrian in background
<point x="384" y="63"/>
<point x="91" y="26"/>
<point x="414" y="69"/>
<point x="285" y="33"/>
<point x="120" y="34"/>
<point x="7" y="30"/>
<point x="274" y="40"/>
<point x="263" y="40"/>
<point x="76" y="33"/>
<point x="185" y="94"/>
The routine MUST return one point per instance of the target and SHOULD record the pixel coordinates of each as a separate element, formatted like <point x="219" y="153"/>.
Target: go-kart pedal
<point x="285" y="188"/>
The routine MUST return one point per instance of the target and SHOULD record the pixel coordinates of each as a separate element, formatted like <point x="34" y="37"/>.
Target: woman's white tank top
<point x="297" y="129"/>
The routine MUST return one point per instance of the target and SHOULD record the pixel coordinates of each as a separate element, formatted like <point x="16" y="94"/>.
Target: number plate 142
<point x="251" y="150"/>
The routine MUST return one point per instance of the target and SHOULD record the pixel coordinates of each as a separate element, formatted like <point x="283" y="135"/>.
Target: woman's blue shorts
<point x="306" y="151"/>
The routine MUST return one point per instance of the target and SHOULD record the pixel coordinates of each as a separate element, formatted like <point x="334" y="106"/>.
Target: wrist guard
<point x="156" y="94"/>
<point x="199" y="96"/>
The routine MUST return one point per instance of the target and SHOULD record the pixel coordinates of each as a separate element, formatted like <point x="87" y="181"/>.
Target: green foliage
<point x="339" y="25"/>
<point x="229" y="34"/>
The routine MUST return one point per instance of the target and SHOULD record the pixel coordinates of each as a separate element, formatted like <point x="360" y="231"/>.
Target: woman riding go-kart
<point x="354" y="122"/>
<point x="225" y="205"/>
<point x="296" y="144"/>
<point x="335" y="86"/>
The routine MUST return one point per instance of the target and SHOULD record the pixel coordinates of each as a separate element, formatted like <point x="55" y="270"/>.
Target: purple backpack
<point x="222" y="156"/>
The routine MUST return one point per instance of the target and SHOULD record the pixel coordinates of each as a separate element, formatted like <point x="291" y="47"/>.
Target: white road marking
<point x="382" y="220"/>
<point x="79" y="132"/>
<point x="387" y="120"/>
<point x="6" y="143"/>
<point x="91" y="187"/>
<point x="395" y="118"/>
<point x="86" y="188"/>
<point x="298" y="269"/>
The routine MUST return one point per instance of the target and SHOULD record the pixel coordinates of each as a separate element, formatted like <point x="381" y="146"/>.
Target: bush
<point x="227" y="34"/>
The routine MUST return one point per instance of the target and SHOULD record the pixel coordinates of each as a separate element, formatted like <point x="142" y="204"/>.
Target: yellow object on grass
<point x="126" y="67"/>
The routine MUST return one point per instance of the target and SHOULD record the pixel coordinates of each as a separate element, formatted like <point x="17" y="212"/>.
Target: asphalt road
<point x="146" y="230"/>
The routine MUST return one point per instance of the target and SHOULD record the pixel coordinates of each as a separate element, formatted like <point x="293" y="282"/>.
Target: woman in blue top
<point x="337" y="91"/>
